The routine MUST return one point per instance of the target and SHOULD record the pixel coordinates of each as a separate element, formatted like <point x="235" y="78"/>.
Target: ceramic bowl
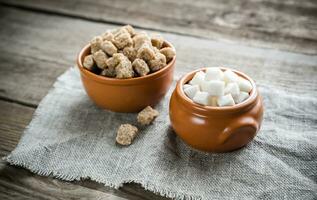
<point x="126" y="95"/>
<point x="215" y="129"/>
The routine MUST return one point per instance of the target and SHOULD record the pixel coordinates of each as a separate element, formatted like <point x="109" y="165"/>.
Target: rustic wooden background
<point x="41" y="38"/>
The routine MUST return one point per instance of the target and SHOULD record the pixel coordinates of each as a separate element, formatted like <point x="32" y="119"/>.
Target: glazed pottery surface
<point x="126" y="95"/>
<point x="215" y="129"/>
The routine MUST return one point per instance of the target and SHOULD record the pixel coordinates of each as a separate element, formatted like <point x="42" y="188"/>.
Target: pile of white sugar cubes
<point x="217" y="88"/>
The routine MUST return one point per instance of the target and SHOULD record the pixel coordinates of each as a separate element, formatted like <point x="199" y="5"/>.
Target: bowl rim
<point x="248" y="103"/>
<point x="130" y="81"/>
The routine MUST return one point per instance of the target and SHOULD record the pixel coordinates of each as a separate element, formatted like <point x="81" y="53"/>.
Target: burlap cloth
<point x="70" y="138"/>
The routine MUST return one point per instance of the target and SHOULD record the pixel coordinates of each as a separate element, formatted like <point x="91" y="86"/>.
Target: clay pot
<point x="215" y="129"/>
<point x="126" y="95"/>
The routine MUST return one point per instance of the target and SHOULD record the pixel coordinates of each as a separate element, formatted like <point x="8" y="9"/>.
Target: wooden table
<point x="40" y="40"/>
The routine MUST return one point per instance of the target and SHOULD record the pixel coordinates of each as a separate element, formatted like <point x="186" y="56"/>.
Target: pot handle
<point x="231" y="129"/>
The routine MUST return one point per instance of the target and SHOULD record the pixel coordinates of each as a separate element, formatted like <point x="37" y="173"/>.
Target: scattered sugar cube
<point x="198" y="78"/>
<point x="214" y="88"/>
<point x="191" y="90"/>
<point x="233" y="89"/>
<point x="201" y="98"/>
<point x="230" y="76"/>
<point x="225" y="100"/>
<point x="126" y="134"/>
<point x="147" y="115"/>
<point x="244" y="85"/>
<point x="241" y="97"/>
<point x="212" y="101"/>
<point x="214" y="73"/>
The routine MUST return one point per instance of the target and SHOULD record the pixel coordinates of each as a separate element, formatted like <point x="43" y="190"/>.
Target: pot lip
<point x="215" y="110"/>
<point x="131" y="81"/>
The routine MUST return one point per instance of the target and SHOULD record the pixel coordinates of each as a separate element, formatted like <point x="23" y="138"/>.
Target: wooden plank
<point x="36" y="48"/>
<point x="288" y="25"/>
<point x="19" y="183"/>
<point x="16" y="183"/>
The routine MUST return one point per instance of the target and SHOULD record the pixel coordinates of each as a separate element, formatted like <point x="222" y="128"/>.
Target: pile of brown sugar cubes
<point x="124" y="53"/>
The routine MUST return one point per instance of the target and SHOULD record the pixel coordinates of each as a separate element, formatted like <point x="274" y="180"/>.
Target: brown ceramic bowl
<point x="126" y="95"/>
<point x="215" y="129"/>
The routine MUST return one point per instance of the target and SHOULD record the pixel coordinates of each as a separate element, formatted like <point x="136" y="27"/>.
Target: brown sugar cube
<point x="140" y="67"/>
<point x="119" y="30"/>
<point x="95" y="44"/>
<point x="126" y="134"/>
<point x="130" y="30"/>
<point x="112" y="63"/>
<point x="124" y="69"/>
<point x="108" y="36"/>
<point x="157" y="63"/>
<point x="88" y="62"/>
<point x="156" y="50"/>
<point x="119" y="57"/>
<point x="157" y="41"/>
<point x="130" y="52"/>
<point x="168" y="52"/>
<point x="114" y="60"/>
<point x="108" y="72"/>
<point x="122" y="39"/>
<point x="147" y="115"/>
<point x="108" y="47"/>
<point x="139" y="39"/>
<point x="100" y="58"/>
<point x="146" y="52"/>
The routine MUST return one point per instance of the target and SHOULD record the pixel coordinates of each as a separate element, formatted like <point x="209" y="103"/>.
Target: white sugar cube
<point x="201" y="98"/>
<point x="230" y="76"/>
<point x="212" y="101"/>
<point x="233" y="89"/>
<point x="241" y="97"/>
<point x="204" y="86"/>
<point x="226" y="100"/>
<point x="244" y="85"/>
<point x="214" y="88"/>
<point x="213" y="73"/>
<point x="186" y="86"/>
<point x="198" y="78"/>
<point x="191" y="91"/>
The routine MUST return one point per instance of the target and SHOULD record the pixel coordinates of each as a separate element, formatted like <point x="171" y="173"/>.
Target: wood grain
<point x="289" y="25"/>
<point x="18" y="183"/>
